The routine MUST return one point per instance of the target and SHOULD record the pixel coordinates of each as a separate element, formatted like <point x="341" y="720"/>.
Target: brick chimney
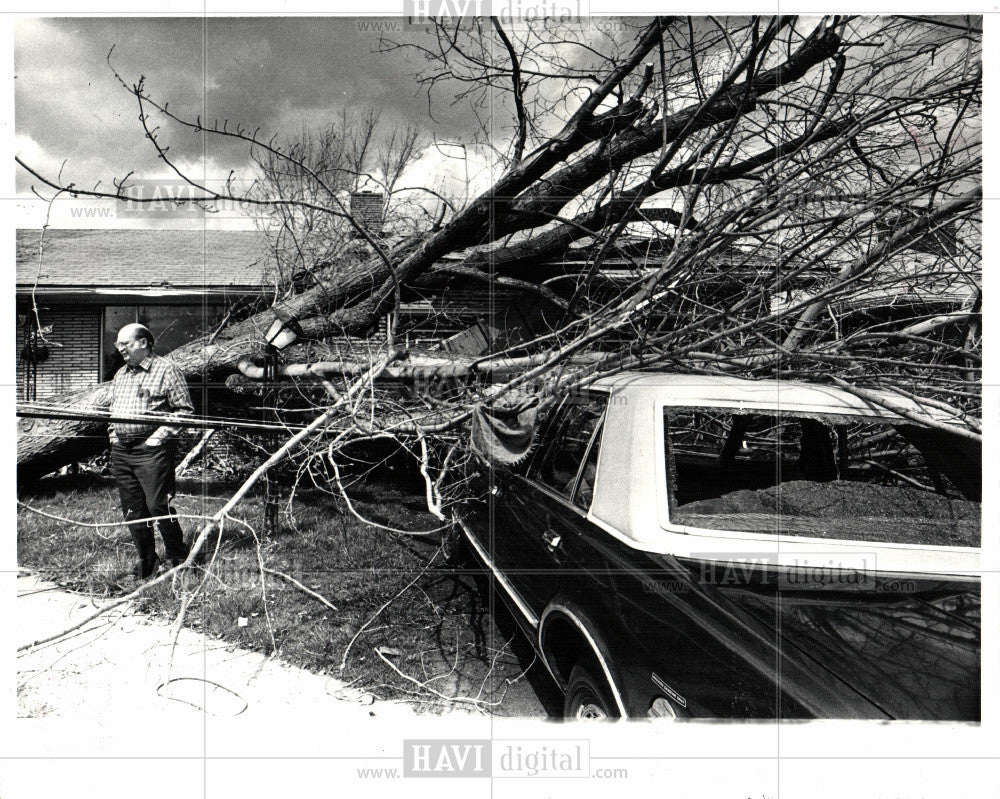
<point x="366" y="208"/>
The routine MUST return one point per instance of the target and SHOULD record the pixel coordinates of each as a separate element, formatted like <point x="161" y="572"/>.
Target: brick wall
<point x="72" y="366"/>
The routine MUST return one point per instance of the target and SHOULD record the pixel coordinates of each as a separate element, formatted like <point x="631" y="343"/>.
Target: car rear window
<point x="859" y="479"/>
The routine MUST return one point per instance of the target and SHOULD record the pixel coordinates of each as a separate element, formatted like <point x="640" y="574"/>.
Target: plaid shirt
<point x="154" y="386"/>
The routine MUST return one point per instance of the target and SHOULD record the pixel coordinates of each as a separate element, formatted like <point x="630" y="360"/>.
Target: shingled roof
<point x="142" y="259"/>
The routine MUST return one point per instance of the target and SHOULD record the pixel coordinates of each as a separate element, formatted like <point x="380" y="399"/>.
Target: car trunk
<point x="912" y="647"/>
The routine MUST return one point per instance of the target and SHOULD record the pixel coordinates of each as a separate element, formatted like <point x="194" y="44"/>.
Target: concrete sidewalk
<point x="117" y="668"/>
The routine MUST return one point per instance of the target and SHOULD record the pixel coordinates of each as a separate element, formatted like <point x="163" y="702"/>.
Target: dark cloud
<point x="279" y="74"/>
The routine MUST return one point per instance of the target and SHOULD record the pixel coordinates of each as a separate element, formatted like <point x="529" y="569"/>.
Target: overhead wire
<point x="41" y="410"/>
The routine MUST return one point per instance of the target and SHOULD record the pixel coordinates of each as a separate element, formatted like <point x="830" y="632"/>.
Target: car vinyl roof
<point x="792" y="395"/>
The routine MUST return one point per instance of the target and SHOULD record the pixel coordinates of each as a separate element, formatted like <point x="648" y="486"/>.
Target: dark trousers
<point x="145" y="478"/>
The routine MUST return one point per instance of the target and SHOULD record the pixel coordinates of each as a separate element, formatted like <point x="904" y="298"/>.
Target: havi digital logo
<point x="160" y="199"/>
<point x="425" y="10"/>
<point x="447" y="758"/>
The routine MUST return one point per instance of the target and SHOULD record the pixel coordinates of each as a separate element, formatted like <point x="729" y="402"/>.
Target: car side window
<point x="585" y="486"/>
<point x="568" y="445"/>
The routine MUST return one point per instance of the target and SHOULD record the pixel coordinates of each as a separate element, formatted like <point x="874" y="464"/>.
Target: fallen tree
<point x="788" y="183"/>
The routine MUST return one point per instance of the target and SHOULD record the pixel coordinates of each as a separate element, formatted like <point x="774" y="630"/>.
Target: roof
<point x="734" y="392"/>
<point x="908" y="279"/>
<point x="141" y="259"/>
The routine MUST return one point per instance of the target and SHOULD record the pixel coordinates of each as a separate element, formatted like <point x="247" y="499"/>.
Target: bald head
<point x="135" y="343"/>
<point x="134" y="332"/>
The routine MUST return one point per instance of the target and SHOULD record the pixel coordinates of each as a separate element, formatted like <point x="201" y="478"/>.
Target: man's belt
<point x="132" y="441"/>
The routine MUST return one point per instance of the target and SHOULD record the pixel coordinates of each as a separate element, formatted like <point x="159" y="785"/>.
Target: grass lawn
<point x="438" y="630"/>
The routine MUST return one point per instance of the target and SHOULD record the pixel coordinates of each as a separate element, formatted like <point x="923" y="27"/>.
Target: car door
<point x="542" y="506"/>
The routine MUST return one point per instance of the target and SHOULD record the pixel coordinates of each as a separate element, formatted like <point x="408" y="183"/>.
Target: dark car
<point x="691" y="546"/>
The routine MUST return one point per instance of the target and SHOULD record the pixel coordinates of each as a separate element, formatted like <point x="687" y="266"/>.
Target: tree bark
<point x="44" y="445"/>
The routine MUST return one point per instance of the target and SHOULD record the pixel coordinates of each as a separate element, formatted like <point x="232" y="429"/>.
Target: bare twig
<point x="304" y="589"/>
<point x="377" y="613"/>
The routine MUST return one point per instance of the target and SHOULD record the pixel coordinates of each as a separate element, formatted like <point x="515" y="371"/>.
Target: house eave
<point x="111" y="295"/>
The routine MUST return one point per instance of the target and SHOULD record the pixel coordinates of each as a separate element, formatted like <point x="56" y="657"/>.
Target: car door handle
<point x="552" y="538"/>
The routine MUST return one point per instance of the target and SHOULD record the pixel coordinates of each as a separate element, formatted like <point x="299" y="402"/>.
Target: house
<point x="87" y="284"/>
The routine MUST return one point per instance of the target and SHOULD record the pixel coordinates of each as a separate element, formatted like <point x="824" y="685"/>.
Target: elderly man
<point x="143" y="455"/>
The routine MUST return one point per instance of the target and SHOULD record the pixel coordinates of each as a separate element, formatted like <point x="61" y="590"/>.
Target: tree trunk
<point x="44" y="445"/>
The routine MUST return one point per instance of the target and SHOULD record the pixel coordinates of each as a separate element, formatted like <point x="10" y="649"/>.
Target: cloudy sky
<point x="281" y="75"/>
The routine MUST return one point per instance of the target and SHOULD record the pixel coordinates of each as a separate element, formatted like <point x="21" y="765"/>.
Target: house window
<point x="172" y="326"/>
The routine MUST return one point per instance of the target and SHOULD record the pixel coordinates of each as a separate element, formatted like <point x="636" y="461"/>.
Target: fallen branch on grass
<point x="302" y="588"/>
<point x="479" y="703"/>
<point x="347" y="650"/>
<point x="196" y="450"/>
<point x="362" y="519"/>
